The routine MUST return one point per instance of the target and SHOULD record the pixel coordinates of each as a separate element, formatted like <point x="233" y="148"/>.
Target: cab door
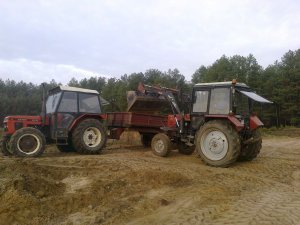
<point x="66" y="112"/>
<point x="200" y="103"/>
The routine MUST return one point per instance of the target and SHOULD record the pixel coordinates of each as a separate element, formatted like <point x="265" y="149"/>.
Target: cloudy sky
<point x="42" y="40"/>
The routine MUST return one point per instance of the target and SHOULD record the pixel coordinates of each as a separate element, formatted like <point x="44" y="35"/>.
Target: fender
<point x="255" y="122"/>
<point x="235" y="122"/>
<point x="100" y="117"/>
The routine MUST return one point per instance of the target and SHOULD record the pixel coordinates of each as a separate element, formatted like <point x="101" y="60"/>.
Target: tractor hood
<point x="23" y="118"/>
<point x="254" y="96"/>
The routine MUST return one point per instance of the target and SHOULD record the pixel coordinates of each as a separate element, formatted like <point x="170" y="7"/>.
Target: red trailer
<point x="146" y="124"/>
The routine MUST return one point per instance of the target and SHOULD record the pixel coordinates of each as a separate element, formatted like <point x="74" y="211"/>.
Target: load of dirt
<point x="129" y="185"/>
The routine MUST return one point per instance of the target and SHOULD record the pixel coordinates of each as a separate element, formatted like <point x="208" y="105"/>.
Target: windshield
<point x="52" y="102"/>
<point x="219" y="101"/>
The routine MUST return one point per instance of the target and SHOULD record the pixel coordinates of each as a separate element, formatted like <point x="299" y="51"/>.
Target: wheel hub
<point x="214" y="145"/>
<point x="28" y="144"/>
<point x="92" y="136"/>
<point x="159" y="146"/>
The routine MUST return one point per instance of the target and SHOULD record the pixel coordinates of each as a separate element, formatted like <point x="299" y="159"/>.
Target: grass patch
<point x="281" y="131"/>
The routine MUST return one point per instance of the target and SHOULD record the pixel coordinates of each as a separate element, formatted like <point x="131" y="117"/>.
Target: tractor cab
<point x="226" y="128"/>
<point x="64" y="105"/>
<point x="223" y="99"/>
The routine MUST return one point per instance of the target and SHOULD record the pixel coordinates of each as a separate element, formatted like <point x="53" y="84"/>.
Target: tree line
<point x="278" y="82"/>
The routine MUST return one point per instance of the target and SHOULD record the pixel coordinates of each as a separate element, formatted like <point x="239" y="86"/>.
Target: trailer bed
<point x="133" y="119"/>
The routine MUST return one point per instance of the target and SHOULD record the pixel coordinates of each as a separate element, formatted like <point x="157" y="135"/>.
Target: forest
<point x="278" y="82"/>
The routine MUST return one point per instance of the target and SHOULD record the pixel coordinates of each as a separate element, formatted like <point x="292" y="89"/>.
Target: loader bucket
<point x="153" y="103"/>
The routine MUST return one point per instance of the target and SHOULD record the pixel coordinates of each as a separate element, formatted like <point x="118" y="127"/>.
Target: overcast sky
<point x="61" y="39"/>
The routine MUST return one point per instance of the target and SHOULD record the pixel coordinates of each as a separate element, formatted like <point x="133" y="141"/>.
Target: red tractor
<point x="70" y="119"/>
<point x="221" y="124"/>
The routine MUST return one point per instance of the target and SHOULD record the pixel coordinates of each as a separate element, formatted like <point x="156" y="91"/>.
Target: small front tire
<point x="28" y="142"/>
<point x="160" y="145"/>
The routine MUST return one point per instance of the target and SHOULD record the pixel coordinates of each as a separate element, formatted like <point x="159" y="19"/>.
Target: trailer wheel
<point x="160" y="145"/>
<point x="28" y="142"/>
<point x="218" y="143"/>
<point x="89" y="137"/>
<point x="251" y="150"/>
<point x="185" y="149"/>
<point x="146" y="139"/>
<point x="5" y="148"/>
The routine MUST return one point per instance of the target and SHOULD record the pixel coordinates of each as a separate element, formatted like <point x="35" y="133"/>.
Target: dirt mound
<point x="49" y="190"/>
<point x="129" y="185"/>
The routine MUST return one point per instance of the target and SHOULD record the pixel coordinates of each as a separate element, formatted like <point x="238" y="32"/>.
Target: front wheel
<point x="89" y="137"/>
<point x="218" y="143"/>
<point x="161" y="144"/>
<point x="27" y="142"/>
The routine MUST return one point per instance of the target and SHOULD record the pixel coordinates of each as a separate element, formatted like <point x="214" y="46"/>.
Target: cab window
<point x="219" y="101"/>
<point x="52" y="102"/>
<point x="68" y="102"/>
<point x="89" y="103"/>
<point x="200" y="103"/>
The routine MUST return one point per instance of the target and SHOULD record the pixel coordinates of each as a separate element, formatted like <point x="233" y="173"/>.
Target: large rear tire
<point x="27" y="142"/>
<point x="160" y="145"/>
<point x="5" y="148"/>
<point x="251" y="150"/>
<point x="218" y="143"/>
<point x="89" y="137"/>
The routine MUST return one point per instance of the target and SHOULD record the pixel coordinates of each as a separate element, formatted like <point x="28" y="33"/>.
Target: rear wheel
<point x="251" y="150"/>
<point x="89" y="137"/>
<point x="218" y="143"/>
<point x="28" y="142"/>
<point x="5" y="148"/>
<point x="146" y="139"/>
<point x="161" y="144"/>
<point x="185" y="149"/>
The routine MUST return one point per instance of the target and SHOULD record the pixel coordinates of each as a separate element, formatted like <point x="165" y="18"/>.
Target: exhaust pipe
<point x="43" y="112"/>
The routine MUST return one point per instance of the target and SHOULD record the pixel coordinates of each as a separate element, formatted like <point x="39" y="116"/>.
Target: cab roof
<point x="77" y="89"/>
<point x="73" y="89"/>
<point x="220" y="84"/>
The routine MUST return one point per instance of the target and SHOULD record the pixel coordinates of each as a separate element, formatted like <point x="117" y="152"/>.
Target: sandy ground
<point x="129" y="185"/>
